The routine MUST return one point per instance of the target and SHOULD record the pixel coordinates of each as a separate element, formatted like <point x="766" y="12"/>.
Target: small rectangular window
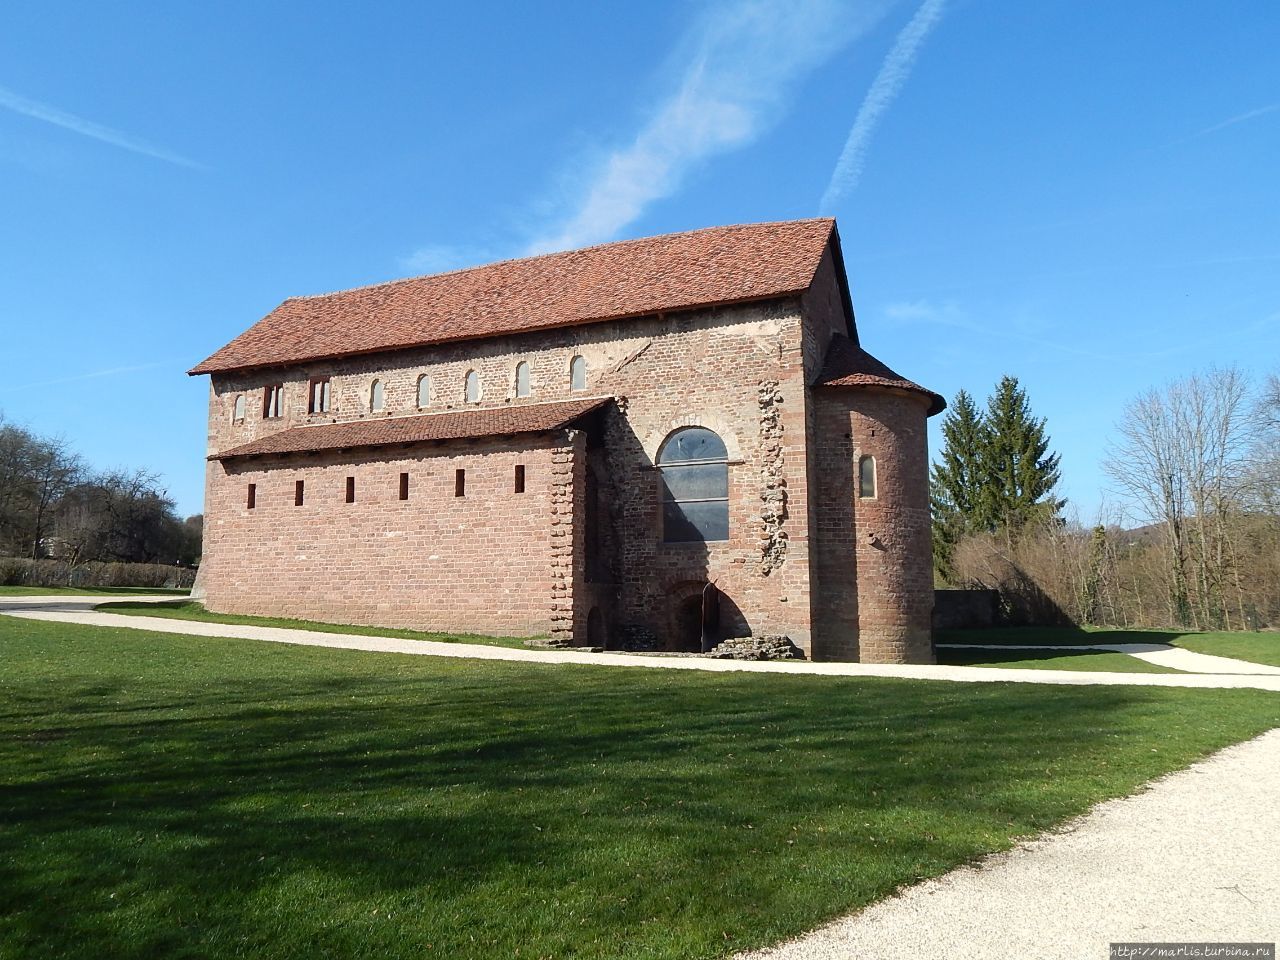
<point x="519" y="478"/>
<point x="404" y="486"/>
<point x="460" y="483"/>
<point x="273" y="401"/>
<point x="351" y="489"/>
<point x="252" y="500"/>
<point x="297" y="494"/>
<point x="318" y="401"/>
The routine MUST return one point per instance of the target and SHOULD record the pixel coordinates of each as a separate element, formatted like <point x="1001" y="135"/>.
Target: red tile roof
<point x="678" y="271"/>
<point x="454" y="425"/>
<point x="848" y="365"/>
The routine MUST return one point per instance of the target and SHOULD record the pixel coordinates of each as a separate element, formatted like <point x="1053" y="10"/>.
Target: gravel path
<point x="1192" y="859"/>
<point x="66" y="609"/>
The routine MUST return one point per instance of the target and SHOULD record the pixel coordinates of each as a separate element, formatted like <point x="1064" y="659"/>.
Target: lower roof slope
<point x="719" y="265"/>
<point x="453" y="425"/>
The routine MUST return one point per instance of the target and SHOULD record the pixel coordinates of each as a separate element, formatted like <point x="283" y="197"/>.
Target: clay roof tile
<point x="678" y="271"/>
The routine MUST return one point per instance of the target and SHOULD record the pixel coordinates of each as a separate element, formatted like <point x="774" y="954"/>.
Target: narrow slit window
<point x="460" y="483"/>
<point x="377" y="397"/>
<point x="351" y="489"/>
<point x="519" y="478"/>
<point x="424" y="391"/>
<point x="318" y="401"/>
<point x="577" y="374"/>
<point x="471" y="388"/>
<point x="252" y="500"/>
<point x="522" y="379"/>
<point x="404" y="486"/>
<point x="867" y="478"/>
<point x="237" y="408"/>
<point x="298" y="493"/>
<point x="273" y="401"/>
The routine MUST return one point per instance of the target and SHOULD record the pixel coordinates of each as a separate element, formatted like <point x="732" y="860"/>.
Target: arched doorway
<point x="695" y="620"/>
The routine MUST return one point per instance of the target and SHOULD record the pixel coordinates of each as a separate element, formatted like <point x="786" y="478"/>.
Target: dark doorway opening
<point x="596" y="636"/>
<point x="697" y="622"/>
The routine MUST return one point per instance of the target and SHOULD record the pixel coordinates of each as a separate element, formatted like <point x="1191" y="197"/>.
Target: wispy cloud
<point x="92" y="375"/>
<point x="951" y="314"/>
<point x="893" y="74"/>
<point x="440" y="258"/>
<point x="745" y="59"/>
<point x="1241" y="118"/>
<point x="10" y="100"/>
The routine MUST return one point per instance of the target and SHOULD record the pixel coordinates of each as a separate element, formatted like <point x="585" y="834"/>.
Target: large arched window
<point x="424" y="391"/>
<point x="522" y="379"/>
<point x="471" y="389"/>
<point x="694" y="465"/>
<point x="377" y="397"/>
<point x="577" y="374"/>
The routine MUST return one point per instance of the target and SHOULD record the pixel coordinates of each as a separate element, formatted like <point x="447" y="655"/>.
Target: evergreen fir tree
<point x="956" y="486"/>
<point x="994" y="472"/>
<point x="1020" y="472"/>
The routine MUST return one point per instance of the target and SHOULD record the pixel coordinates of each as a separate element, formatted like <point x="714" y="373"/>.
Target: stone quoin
<point x="574" y="446"/>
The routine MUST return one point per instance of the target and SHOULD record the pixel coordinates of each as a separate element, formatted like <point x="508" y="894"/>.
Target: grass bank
<point x="20" y="591"/>
<point x="1254" y="646"/>
<point x="167" y="796"/>
<point x="1100" y="660"/>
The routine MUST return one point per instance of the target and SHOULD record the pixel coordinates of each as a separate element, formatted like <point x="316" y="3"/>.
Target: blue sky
<point x="1083" y="195"/>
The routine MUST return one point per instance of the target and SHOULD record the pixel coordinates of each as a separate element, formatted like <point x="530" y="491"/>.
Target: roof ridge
<point x="556" y="253"/>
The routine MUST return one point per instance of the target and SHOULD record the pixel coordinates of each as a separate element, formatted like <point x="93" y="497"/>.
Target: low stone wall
<point x="964" y="609"/>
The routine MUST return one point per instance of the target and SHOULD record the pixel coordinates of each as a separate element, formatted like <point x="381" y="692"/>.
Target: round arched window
<point x="522" y="379"/>
<point x="578" y="374"/>
<point x="377" y="397"/>
<point x="694" y="465"/>
<point x="424" y="391"/>
<point x="471" y="388"/>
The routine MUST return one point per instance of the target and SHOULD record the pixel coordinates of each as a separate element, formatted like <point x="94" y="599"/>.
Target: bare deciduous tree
<point x="1182" y="462"/>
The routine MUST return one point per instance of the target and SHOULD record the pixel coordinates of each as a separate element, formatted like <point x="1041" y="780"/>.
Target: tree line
<point x="1191" y="540"/>
<point x="53" y="505"/>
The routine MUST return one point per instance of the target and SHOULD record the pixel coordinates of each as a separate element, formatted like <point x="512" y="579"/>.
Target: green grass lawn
<point x="1262" y="647"/>
<point x="6" y="591"/>
<point x="169" y="796"/>
<point x="193" y="610"/>
<point x="1051" y="660"/>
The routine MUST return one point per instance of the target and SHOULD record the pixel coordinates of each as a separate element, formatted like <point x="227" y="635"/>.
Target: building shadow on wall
<point x="666" y="595"/>
<point x="835" y="621"/>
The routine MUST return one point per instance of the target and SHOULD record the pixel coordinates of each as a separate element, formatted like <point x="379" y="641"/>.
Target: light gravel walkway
<point x="1192" y="859"/>
<point x="1161" y="654"/>
<point x="65" y="609"/>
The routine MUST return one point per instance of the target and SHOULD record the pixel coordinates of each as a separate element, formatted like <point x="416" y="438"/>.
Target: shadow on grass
<point x="168" y="797"/>
<point x="1056" y="636"/>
